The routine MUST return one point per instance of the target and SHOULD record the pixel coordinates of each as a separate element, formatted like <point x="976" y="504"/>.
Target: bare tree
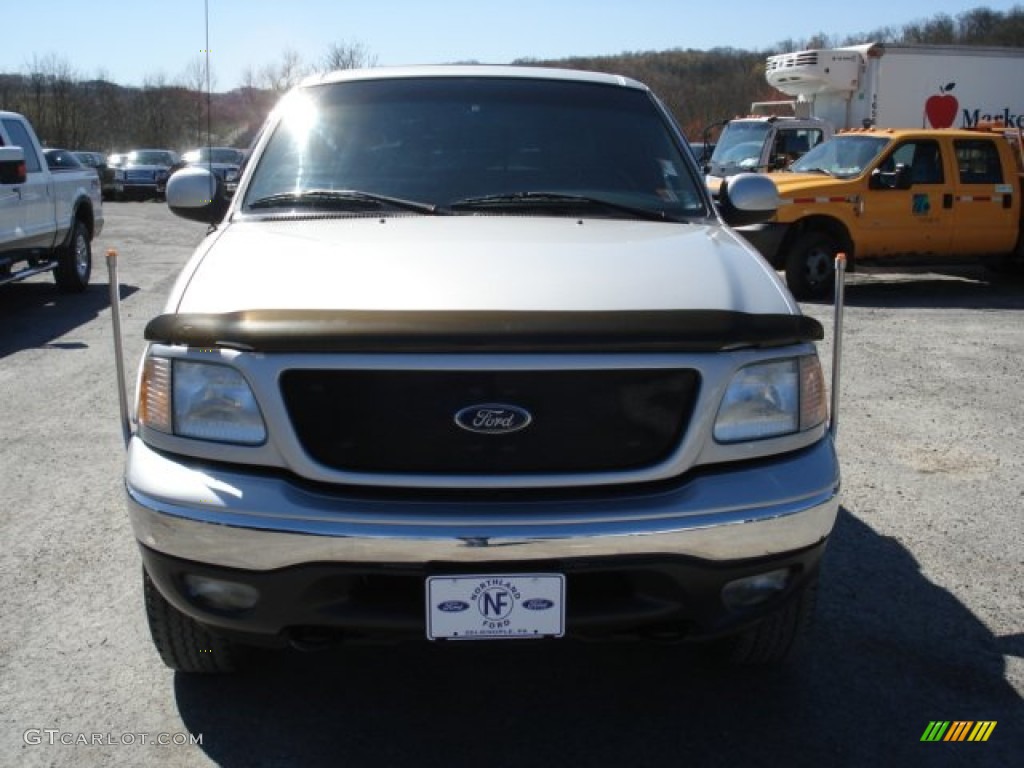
<point x="347" y="56"/>
<point x="56" y="113"/>
<point x="286" y="73"/>
<point x="200" y="81"/>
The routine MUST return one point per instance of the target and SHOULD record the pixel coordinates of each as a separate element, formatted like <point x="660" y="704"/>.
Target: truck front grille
<point x="401" y="421"/>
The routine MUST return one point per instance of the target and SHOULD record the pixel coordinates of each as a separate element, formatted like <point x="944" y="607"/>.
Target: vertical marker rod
<point x="115" y="314"/>
<point x="837" y="340"/>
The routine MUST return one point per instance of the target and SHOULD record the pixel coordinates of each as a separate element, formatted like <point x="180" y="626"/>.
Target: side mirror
<point x="901" y="178"/>
<point x="196" y="194"/>
<point x="747" y="198"/>
<point x="12" y="165"/>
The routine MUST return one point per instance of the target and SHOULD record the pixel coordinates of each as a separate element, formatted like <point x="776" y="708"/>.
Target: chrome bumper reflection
<point x="232" y="518"/>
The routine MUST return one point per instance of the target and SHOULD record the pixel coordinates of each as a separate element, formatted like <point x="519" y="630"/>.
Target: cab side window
<point x="978" y="162"/>
<point x="19" y="138"/>
<point x="923" y="158"/>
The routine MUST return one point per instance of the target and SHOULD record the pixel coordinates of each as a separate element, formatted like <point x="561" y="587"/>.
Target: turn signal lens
<point x="155" y="394"/>
<point x="813" y="403"/>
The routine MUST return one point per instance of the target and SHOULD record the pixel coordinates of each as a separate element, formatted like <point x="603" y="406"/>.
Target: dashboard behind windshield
<point x="843" y="156"/>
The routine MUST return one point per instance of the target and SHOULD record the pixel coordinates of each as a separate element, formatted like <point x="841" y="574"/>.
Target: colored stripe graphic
<point x="982" y="730"/>
<point x="958" y="731"/>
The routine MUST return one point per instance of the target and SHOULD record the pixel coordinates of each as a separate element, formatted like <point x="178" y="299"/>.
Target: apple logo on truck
<point x="941" y="108"/>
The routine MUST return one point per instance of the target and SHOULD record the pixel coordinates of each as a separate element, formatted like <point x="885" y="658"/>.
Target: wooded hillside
<point x="699" y="86"/>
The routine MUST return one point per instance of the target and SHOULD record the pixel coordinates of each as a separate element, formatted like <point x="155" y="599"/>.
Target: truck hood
<point x="508" y="263"/>
<point x="792" y="185"/>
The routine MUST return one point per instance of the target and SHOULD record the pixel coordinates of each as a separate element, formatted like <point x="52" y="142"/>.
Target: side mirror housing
<point x="12" y="165"/>
<point x="196" y="194"/>
<point x="747" y="198"/>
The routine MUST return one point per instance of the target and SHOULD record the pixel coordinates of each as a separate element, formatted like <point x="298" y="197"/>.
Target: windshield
<point x="223" y="155"/>
<point x="842" y="156"/>
<point x="148" y="157"/>
<point x="739" y="147"/>
<point x="478" y="144"/>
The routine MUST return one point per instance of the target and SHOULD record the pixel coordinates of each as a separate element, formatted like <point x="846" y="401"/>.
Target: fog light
<point x="220" y="595"/>
<point x="754" y="590"/>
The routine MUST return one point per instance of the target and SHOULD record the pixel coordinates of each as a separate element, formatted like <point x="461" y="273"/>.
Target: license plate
<point x="495" y="606"/>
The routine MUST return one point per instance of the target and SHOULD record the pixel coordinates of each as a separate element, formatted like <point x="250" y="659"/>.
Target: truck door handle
<point x="947" y="200"/>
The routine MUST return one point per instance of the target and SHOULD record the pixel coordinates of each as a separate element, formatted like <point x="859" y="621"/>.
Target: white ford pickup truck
<point x="470" y="355"/>
<point x="48" y="219"/>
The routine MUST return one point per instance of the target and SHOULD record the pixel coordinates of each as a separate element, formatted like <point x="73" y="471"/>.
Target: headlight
<point x="780" y="397"/>
<point x="231" y="175"/>
<point x="206" y="401"/>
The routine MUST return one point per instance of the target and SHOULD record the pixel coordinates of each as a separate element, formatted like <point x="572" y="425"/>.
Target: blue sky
<point x="129" y="41"/>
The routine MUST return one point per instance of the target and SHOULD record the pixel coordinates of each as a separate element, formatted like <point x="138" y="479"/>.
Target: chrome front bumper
<point x="227" y="516"/>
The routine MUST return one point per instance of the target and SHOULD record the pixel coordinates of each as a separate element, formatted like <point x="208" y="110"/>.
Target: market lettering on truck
<point x="1006" y="117"/>
<point x="941" y="110"/>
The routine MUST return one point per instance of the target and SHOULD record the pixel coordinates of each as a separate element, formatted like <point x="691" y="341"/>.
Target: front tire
<point x="774" y="639"/>
<point x="74" y="261"/>
<point x="184" y="644"/>
<point x="810" y="266"/>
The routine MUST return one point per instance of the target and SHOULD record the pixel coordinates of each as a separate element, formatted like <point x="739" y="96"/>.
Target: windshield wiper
<point x="553" y="199"/>
<point x="811" y="170"/>
<point x="344" y="199"/>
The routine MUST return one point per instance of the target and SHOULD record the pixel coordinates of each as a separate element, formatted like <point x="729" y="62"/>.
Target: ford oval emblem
<point x="453" y="606"/>
<point x="493" y="418"/>
<point x="538" y="604"/>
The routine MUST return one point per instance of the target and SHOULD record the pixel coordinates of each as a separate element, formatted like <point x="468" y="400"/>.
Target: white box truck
<point x="881" y="85"/>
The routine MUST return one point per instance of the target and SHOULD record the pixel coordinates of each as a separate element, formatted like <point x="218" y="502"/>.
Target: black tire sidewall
<point x="797" y="278"/>
<point x="66" y="275"/>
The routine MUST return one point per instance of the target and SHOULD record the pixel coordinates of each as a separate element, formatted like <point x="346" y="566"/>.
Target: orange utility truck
<point x="879" y="193"/>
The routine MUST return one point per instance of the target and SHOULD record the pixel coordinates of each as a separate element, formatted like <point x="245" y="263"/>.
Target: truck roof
<point x="882" y="49"/>
<point x="903" y="133"/>
<point x="474" y="70"/>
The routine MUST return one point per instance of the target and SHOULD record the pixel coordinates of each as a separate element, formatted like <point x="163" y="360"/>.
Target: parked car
<point x="62" y="160"/>
<point x="144" y="173"/>
<point x="104" y="170"/>
<point x="50" y="209"/>
<point x="473" y="355"/>
<point x="224" y="162"/>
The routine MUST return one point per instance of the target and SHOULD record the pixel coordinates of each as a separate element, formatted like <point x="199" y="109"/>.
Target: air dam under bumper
<point x="228" y="516"/>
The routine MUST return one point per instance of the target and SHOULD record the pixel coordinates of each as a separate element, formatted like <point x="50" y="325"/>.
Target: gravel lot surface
<point x="920" y="617"/>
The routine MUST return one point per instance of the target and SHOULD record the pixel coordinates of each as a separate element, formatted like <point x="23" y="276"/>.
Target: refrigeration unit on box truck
<point x="878" y="85"/>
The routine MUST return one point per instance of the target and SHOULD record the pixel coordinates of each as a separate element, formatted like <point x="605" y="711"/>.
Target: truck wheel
<point x="810" y="266"/>
<point x="74" y="261"/>
<point x="773" y="640"/>
<point x="184" y="644"/>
